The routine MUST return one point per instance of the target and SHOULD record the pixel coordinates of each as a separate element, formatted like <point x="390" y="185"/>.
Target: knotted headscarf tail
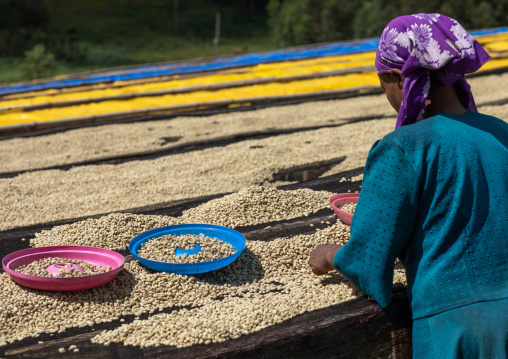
<point x="424" y="46"/>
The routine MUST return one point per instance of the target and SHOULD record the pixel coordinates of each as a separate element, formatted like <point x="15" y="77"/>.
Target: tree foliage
<point x="306" y="21"/>
<point x="23" y="23"/>
<point x="26" y="23"/>
<point x="298" y="22"/>
<point x="196" y="18"/>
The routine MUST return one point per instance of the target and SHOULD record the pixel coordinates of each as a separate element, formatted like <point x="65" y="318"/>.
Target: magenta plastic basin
<point x="101" y="256"/>
<point x="340" y="199"/>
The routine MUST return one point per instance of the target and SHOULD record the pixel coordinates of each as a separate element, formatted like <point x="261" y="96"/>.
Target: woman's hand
<point x="321" y="258"/>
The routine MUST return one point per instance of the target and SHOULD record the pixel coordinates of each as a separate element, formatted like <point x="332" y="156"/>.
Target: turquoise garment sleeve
<point x="383" y="221"/>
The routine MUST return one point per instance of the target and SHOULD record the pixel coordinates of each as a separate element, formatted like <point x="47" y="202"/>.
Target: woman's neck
<point x="443" y="99"/>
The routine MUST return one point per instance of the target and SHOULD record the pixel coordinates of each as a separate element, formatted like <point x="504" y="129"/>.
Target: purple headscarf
<point x="425" y="45"/>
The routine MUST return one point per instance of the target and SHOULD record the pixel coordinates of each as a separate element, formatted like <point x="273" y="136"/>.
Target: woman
<point x="435" y="195"/>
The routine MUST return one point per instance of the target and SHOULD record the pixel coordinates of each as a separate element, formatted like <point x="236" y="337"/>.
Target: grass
<point x="141" y="31"/>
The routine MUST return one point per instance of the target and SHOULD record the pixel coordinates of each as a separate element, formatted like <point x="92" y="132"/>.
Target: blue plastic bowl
<point x="235" y="238"/>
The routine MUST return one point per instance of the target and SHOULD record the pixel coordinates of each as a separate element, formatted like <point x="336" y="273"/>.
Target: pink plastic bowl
<point x="340" y="199"/>
<point x="103" y="257"/>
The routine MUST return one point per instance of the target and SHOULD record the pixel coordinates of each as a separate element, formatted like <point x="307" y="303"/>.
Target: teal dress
<point x="435" y="195"/>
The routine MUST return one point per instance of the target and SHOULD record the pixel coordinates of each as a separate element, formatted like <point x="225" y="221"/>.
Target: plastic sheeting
<point x="263" y="72"/>
<point x="203" y="98"/>
<point x="331" y="49"/>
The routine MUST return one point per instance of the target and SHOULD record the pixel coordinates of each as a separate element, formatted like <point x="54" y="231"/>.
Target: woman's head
<point x="392" y="82"/>
<point x="415" y="48"/>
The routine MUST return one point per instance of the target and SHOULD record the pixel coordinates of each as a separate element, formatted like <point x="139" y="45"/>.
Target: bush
<point x="306" y="21"/>
<point x="38" y="63"/>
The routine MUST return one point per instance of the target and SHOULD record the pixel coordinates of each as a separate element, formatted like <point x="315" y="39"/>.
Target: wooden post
<point x="217" y="34"/>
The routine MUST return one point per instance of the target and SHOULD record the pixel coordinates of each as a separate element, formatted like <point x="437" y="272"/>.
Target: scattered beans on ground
<point x="113" y="231"/>
<point x="257" y="204"/>
<point x="269" y="283"/>
<point x="92" y="190"/>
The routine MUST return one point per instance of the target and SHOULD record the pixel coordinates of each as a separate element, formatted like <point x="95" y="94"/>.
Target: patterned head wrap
<point x="424" y="46"/>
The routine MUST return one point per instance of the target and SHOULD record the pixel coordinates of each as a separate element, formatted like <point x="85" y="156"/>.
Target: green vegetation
<point x="94" y="34"/>
<point x="299" y="22"/>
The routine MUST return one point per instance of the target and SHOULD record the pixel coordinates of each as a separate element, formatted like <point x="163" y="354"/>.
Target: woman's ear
<point x="396" y="74"/>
